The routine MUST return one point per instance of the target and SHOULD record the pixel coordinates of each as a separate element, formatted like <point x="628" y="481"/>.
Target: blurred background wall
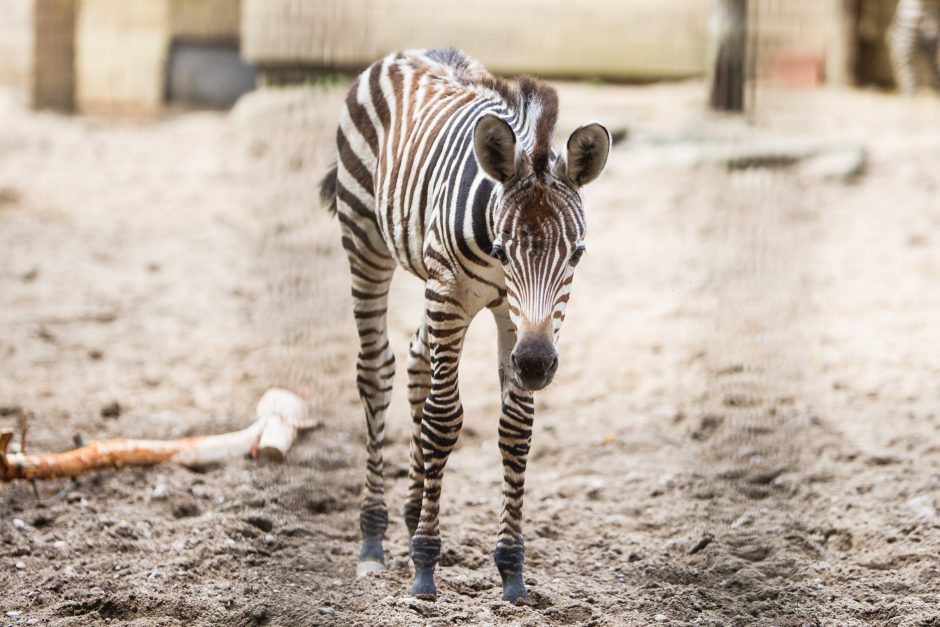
<point x="137" y="56"/>
<point x="122" y="56"/>
<point x="667" y="38"/>
<point x="16" y="42"/>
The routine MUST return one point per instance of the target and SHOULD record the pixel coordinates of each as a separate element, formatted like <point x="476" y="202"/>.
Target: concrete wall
<point x="16" y="43"/>
<point x="121" y="51"/>
<point x="36" y="50"/>
<point x="122" y="48"/>
<point x="610" y="38"/>
<point x="53" y="76"/>
<point x="624" y="39"/>
<point x="205" y="21"/>
<point x="792" y="39"/>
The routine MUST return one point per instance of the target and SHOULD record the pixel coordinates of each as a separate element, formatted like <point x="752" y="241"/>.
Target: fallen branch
<point x="281" y="416"/>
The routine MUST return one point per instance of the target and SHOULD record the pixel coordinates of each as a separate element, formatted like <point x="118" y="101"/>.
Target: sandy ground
<point x="748" y="355"/>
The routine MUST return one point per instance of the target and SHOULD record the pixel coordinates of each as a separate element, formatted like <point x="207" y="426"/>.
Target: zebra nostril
<point x="513" y="362"/>
<point x="554" y="365"/>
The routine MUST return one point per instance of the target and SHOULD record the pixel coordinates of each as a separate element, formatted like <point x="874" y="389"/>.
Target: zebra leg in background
<point x="371" y="267"/>
<point x="419" y="385"/>
<point x="515" y="435"/>
<point x="443" y="416"/>
<point x="902" y="45"/>
<point x="929" y="46"/>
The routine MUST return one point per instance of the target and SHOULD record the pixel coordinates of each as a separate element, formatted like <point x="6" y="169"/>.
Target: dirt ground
<point x="750" y="355"/>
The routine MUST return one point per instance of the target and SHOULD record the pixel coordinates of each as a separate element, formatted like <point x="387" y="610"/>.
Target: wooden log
<point x="281" y="416"/>
<point x="284" y="414"/>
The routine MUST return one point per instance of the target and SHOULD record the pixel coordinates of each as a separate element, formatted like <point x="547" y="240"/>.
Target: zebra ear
<point x="494" y="143"/>
<point x="588" y="148"/>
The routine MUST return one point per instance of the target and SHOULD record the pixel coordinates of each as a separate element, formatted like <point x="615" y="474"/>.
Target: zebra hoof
<point x="423" y="588"/>
<point x="367" y="567"/>
<point x="514" y="590"/>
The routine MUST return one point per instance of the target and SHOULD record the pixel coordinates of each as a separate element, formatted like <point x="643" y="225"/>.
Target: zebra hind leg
<point x="930" y="46"/>
<point x="419" y="385"/>
<point x="372" y="268"/>
<point x="901" y="47"/>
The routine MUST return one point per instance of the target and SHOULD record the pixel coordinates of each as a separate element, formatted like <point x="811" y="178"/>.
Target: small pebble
<point x="18" y="523"/>
<point x="159" y="490"/>
<point x="13" y="614"/>
<point x="111" y="410"/>
<point x="923" y="507"/>
<point x="260" y="520"/>
<point x="61" y="545"/>
<point x="20" y="565"/>
<point x="326" y="611"/>
<point x="660" y="618"/>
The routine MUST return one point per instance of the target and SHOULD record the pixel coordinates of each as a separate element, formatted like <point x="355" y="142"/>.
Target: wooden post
<point x="842" y="52"/>
<point x="728" y="63"/>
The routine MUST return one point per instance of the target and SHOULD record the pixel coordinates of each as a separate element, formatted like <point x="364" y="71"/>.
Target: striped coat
<point x="449" y="173"/>
<point x="915" y="32"/>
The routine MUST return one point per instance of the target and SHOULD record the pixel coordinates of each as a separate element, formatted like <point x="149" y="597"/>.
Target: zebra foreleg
<point x="375" y="369"/>
<point x="515" y="436"/>
<point x="440" y="427"/>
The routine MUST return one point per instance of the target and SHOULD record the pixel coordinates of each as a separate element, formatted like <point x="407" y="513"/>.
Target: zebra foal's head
<point x="538" y="232"/>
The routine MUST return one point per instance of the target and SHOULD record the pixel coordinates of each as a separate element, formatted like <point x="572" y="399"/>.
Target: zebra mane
<point x="530" y="97"/>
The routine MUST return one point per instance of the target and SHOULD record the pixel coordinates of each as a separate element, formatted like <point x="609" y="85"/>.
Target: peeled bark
<point x="281" y="416"/>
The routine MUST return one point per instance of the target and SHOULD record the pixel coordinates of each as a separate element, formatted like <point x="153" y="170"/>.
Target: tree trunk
<point x="728" y="33"/>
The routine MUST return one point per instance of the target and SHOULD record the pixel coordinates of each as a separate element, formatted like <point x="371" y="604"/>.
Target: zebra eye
<point x="576" y="255"/>
<point x="499" y="254"/>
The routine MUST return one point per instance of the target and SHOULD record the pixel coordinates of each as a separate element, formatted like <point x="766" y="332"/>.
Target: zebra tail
<point x="328" y="190"/>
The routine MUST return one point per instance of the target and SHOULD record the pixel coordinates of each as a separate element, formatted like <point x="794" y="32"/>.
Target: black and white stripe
<point x="448" y="172"/>
<point x="915" y="32"/>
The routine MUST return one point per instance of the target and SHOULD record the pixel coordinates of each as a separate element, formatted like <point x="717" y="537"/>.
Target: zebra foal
<point x="449" y="172"/>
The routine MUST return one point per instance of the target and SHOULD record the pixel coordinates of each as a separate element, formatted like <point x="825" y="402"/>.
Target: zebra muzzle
<point x="534" y="362"/>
